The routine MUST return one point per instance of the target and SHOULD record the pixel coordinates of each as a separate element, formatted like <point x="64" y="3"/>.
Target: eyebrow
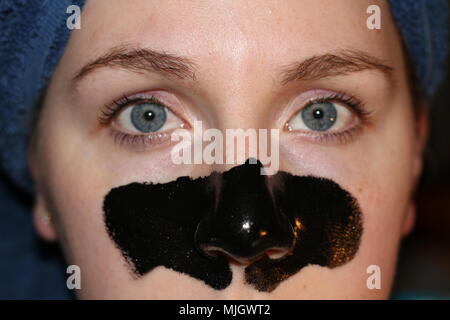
<point x="141" y="60"/>
<point x="334" y="64"/>
<point x="170" y="65"/>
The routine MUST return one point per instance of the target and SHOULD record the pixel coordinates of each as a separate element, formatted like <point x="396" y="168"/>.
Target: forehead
<point x="239" y="37"/>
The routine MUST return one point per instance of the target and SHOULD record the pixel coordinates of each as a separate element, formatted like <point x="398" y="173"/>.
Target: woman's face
<point x="229" y="72"/>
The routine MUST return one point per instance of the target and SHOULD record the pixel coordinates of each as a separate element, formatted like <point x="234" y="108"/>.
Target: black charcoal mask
<point x="195" y="226"/>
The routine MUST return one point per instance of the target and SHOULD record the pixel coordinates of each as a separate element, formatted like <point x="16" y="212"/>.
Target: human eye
<point x="141" y="120"/>
<point x="332" y="117"/>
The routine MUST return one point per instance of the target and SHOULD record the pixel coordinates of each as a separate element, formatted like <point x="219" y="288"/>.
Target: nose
<point x="245" y="223"/>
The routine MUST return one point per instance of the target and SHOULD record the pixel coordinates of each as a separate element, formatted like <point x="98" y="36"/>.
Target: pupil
<point x="149" y="115"/>
<point x="318" y="114"/>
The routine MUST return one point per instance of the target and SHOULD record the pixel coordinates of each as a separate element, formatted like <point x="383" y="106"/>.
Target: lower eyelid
<point x="140" y="142"/>
<point x="329" y="138"/>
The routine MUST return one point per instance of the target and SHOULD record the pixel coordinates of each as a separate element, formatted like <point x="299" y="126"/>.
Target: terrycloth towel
<point x="424" y="26"/>
<point x="33" y="34"/>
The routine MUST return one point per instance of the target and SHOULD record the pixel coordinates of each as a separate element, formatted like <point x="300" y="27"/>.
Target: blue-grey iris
<point x="319" y="116"/>
<point x="148" y="117"/>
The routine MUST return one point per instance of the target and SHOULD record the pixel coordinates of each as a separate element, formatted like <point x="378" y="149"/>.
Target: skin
<point x="75" y="161"/>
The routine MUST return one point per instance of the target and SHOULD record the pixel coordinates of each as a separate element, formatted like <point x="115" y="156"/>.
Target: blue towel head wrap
<point x="424" y="27"/>
<point x="34" y="33"/>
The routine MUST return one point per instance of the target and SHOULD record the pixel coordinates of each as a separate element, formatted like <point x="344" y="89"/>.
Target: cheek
<point x="76" y="193"/>
<point x="75" y="183"/>
<point x="378" y="170"/>
<point x="78" y="171"/>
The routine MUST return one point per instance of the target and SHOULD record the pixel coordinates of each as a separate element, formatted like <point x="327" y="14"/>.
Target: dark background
<point x="424" y="263"/>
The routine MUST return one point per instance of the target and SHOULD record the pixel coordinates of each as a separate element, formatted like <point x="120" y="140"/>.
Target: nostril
<point x="278" y="253"/>
<point x="273" y="253"/>
<point x="243" y="248"/>
<point x="216" y="252"/>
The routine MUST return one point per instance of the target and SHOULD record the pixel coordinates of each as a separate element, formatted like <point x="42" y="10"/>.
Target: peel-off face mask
<point x="276" y="225"/>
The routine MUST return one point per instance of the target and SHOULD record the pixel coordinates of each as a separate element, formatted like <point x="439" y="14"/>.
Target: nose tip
<point x="245" y="223"/>
<point x="246" y="245"/>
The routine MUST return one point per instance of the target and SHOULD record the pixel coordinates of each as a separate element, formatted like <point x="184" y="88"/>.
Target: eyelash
<point x="109" y="111"/>
<point x="343" y="137"/>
